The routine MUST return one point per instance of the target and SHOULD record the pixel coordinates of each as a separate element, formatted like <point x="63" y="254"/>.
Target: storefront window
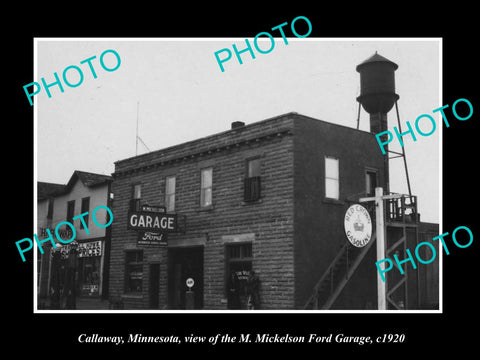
<point x="133" y="271"/>
<point x="89" y="275"/>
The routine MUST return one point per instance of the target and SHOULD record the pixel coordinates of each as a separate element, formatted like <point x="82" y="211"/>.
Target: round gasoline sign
<point x="358" y="225"/>
<point x="190" y="282"/>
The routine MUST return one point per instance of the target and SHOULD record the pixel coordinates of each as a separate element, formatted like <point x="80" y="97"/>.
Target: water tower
<point x="377" y="97"/>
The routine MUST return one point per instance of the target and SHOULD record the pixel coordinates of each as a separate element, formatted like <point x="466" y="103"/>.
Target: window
<point x="170" y="193"/>
<point x="253" y="167"/>
<point x="133" y="271"/>
<point x="85" y="208"/>
<point x="238" y="269"/>
<point x="137" y="191"/>
<point x="206" y="187"/>
<point x="136" y="197"/>
<point x="252" y="181"/>
<point x="332" y="183"/>
<point x="239" y="251"/>
<point x="70" y="211"/>
<point x="88" y="268"/>
<point x="51" y="202"/>
<point x="370" y="182"/>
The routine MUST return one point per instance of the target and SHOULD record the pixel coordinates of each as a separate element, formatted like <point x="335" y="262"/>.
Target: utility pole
<point x="381" y="234"/>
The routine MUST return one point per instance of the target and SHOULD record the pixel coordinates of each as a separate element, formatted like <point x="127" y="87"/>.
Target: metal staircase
<point x="401" y="216"/>
<point x="336" y="276"/>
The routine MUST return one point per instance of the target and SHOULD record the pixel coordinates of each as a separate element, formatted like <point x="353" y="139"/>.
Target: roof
<point x="376" y="58"/>
<point x="88" y="179"/>
<point x="278" y="126"/>
<point x="46" y="190"/>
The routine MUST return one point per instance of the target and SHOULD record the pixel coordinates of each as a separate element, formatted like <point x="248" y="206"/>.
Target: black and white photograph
<point x="257" y="189"/>
<point x="277" y="181"/>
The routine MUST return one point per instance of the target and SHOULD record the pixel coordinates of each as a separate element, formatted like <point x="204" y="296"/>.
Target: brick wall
<point x="270" y="220"/>
<point x="319" y="228"/>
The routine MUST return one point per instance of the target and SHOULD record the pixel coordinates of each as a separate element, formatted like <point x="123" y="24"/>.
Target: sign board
<point x="358" y="225"/>
<point x="87" y="249"/>
<point x="151" y="238"/>
<point x="89" y="289"/>
<point x="190" y="282"/>
<point x="152" y="221"/>
<point x="65" y="234"/>
<point x="242" y="274"/>
<point x="154" y="208"/>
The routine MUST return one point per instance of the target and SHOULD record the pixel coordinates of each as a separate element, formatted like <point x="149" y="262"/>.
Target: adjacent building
<point x="57" y="203"/>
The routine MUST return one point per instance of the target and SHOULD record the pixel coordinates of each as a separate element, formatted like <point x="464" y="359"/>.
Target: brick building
<point x="269" y="197"/>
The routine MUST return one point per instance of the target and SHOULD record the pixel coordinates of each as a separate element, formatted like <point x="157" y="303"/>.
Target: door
<point x="153" y="288"/>
<point x="185" y="263"/>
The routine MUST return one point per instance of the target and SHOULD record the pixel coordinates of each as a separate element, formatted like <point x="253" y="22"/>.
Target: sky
<point x="176" y="90"/>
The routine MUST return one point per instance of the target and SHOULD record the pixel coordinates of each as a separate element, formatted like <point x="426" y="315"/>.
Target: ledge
<point x="192" y="155"/>
<point x="206" y="208"/>
<point x="333" y="201"/>
<point x="246" y="203"/>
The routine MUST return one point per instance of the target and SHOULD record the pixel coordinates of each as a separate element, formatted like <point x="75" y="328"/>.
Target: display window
<point x="89" y="275"/>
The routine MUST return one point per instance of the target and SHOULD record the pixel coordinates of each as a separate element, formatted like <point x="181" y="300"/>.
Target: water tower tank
<point x="377" y="84"/>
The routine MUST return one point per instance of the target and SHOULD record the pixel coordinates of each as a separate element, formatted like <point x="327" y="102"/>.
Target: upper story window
<point x="206" y="187"/>
<point x="332" y="179"/>
<point x="70" y="211"/>
<point x="252" y="181"/>
<point x="370" y="182"/>
<point x="170" y="193"/>
<point x="85" y="208"/>
<point x="136" y="197"/>
<point x="137" y="191"/>
<point x="253" y="167"/>
<point x="51" y="202"/>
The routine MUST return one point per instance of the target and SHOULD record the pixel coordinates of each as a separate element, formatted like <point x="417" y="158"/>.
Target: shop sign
<point x="152" y="221"/>
<point x="90" y="289"/>
<point x="190" y="282"/>
<point x="243" y="274"/>
<point x="63" y="233"/>
<point x="150" y="238"/>
<point x="358" y="225"/>
<point x="154" y="208"/>
<point x="88" y="249"/>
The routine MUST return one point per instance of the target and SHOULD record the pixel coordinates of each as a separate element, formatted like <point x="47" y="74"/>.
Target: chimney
<point x="237" y="124"/>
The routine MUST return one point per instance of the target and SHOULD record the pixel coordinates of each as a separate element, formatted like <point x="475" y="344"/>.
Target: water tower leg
<point x="403" y="152"/>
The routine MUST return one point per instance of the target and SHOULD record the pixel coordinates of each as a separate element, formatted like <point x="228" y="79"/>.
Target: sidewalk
<point x="91" y="304"/>
<point x="82" y="303"/>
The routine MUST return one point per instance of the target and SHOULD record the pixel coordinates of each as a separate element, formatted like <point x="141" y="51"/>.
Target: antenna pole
<point x="136" y="135"/>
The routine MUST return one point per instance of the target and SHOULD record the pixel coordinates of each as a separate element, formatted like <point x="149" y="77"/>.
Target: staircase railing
<point x="333" y="280"/>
